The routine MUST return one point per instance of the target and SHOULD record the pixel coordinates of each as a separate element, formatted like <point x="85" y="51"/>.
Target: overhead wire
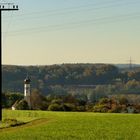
<point x="55" y="27"/>
<point x="75" y="9"/>
<point x="97" y="20"/>
<point x="62" y="9"/>
<point x="7" y="29"/>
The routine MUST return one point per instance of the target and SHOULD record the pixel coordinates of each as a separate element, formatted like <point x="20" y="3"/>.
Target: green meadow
<point x="44" y="125"/>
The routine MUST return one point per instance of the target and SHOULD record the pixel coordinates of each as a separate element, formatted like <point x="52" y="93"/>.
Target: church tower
<point x="27" y="91"/>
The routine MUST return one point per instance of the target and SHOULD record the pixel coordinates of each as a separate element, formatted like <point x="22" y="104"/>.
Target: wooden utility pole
<point x="4" y="7"/>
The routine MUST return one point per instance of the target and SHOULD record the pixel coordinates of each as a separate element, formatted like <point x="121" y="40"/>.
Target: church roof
<point x="15" y="104"/>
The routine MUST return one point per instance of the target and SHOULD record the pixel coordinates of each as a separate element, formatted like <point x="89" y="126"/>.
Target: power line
<point x="81" y="22"/>
<point x="75" y="9"/>
<point x="101" y="20"/>
<point x="7" y="29"/>
<point x="96" y="7"/>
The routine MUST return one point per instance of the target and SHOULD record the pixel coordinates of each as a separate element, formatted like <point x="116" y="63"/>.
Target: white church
<point x="27" y="93"/>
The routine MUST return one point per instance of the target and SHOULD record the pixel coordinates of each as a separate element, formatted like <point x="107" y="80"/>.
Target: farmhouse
<point x="130" y="108"/>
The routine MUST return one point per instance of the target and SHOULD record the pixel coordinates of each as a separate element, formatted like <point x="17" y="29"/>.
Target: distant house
<point x="130" y="108"/>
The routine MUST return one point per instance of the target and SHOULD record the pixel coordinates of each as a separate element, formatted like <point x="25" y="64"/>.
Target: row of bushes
<point x="72" y="103"/>
<point x="103" y="106"/>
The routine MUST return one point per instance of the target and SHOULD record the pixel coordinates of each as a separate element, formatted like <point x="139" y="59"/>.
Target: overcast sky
<point x="45" y="32"/>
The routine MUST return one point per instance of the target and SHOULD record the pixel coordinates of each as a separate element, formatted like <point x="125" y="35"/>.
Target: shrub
<point x="38" y="101"/>
<point x="117" y="109"/>
<point x="69" y="107"/>
<point x="104" y="101"/>
<point x="55" y="107"/>
<point x="80" y="108"/>
<point x="100" y="108"/>
<point x="22" y="105"/>
<point x="89" y="107"/>
<point x="57" y="101"/>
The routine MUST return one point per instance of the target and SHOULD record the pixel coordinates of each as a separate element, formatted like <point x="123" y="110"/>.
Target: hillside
<point x="127" y="66"/>
<point x="66" y="74"/>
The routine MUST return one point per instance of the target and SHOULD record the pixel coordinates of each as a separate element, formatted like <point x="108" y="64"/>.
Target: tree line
<point x="111" y="104"/>
<point x="43" y="77"/>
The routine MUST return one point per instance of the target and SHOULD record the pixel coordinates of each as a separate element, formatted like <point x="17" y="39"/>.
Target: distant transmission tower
<point x="4" y="7"/>
<point x="130" y="64"/>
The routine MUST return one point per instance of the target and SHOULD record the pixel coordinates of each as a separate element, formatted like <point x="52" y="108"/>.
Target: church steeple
<point x="27" y="90"/>
<point x="27" y="80"/>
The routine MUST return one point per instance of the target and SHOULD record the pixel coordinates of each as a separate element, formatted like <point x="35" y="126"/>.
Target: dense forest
<point x="66" y="75"/>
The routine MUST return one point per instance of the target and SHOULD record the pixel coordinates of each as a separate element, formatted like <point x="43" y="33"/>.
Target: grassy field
<point x="71" y="126"/>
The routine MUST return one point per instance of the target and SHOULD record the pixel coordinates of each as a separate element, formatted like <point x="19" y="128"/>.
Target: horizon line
<point x="66" y="64"/>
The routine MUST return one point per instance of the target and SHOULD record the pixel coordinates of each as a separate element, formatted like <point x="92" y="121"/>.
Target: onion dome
<point x="27" y="80"/>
